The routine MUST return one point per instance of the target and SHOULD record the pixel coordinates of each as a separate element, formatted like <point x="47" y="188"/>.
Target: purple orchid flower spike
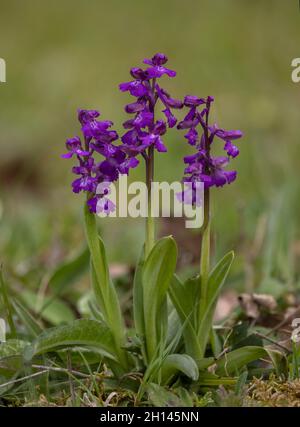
<point x="202" y="166"/>
<point x="143" y="131"/>
<point x="99" y="139"/>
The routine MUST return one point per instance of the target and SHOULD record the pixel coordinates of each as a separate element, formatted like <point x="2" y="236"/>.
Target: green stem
<point x="104" y="290"/>
<point x="204" y="257"/>
<point x="150" y="225"/>
<point x="205" y="241"/>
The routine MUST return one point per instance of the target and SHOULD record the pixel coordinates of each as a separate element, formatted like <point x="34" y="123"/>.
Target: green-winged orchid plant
<point x="173" y="320"/>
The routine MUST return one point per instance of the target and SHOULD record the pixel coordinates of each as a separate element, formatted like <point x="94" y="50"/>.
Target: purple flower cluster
<point x="143" y="130"/>
<point x="94" y="177"/>
<point x="202" y="166"/>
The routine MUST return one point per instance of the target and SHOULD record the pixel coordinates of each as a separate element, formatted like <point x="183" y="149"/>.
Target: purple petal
<point x="138" y="73"/>
<point x="192" y="136"/>
<point x="170" y="117"/>
<point x="160" y="128"/>
<point x="159" y="145"/>
<point x="67" y="155"/>
<point x="130" y="138"/>
<point x="130" y="163"/>
<point x="85" y="116"/>
<point x="157" y="59"/>
<point x="191" y="100"/>
<point x="109" y="169"/>
<point x="135" y="107"/>
<point x="158" y="71"/>
<point x="231" y="149"/>
<point x="228" y="134"/>
<point x="149" y="139"/>
<point x="92" y="204"/>
<point x="230" y="176"/>
<point x="145" y="118"/>
<point x="136" y="88"/>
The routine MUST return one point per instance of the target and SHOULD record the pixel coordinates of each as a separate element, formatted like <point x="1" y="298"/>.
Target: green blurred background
<point x="66" y="54"/>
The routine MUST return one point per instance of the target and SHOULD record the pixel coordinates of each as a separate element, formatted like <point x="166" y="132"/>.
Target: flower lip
<point x="136" y="88"/>
<point x="158" y="71"/>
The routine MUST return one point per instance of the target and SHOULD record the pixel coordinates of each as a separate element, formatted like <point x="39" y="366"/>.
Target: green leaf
<point x="186" y="397"/>
<point x="12" y="347"/>
<point x="84" y="332"/>
<point x="216" y="343"/>
<point x="215" y="284"/>
<point x="205" y="363"/>
<point x="209" y="379"/>
<point x="174" y="327"/>
<point x="32" y="326"/>
<point x="279" y="361"/>
<point x="241" y="383"/>
<point x="157" y="274"/>
<point x="160" y="397"/>
<point x="74" y="354"/>
<point x="11" y="357"/>
<point x="175" y="363"/>
<point x="232" y="362"/>
<point x="55" y="311"/>
<point x="184" y="297"/>
<point x="68" y="272"/>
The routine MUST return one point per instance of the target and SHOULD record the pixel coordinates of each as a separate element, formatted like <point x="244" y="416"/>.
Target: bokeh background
<point x="66" y="54"/>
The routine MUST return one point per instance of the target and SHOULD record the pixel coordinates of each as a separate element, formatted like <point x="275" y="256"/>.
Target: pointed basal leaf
<point x="162" y="398"/>
<point x="231" y="363"/>
<point x="68" y="272"/>
<point x="32" y="326"/>
<point x="11" y="357"/>
<point x="279" y="360"/>
<point x="175" y="363"/>
<point x="84" y="332"/>
<point x="54" y="310"/>
<point x="174" y="327"/>
<point x="215" y="284"/>
<point x="157" y="273"/>
<point x="184" y="297"/>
